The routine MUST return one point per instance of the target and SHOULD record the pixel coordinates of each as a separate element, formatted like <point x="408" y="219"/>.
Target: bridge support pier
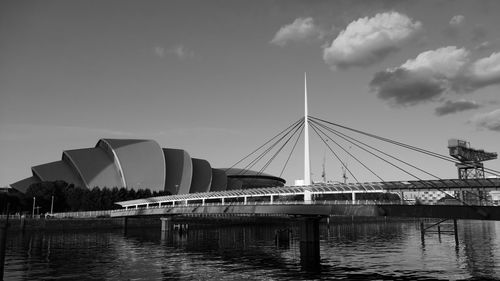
<point x="3" y="242"/>
<point x="424" y="229"/>
<point x="309" y="243"/>
<point x="282" y="238"/>
<point x="166" y="224"/>
<point x="124" y="225"/>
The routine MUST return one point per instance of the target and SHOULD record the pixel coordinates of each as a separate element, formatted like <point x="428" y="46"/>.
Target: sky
<point x="219" y="78"/>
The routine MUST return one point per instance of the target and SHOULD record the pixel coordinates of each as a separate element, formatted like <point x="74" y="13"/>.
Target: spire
<point x="307" y="169"/>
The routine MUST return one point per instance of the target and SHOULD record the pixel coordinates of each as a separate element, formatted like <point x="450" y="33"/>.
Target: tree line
<point x="70" y="198"/>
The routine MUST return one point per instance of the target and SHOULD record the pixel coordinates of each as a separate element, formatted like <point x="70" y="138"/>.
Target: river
<point x="359" y="251"/>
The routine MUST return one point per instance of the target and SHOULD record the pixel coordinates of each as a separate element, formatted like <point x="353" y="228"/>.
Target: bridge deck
<point x="321" y="209"/>
<point x="318" y="189"/>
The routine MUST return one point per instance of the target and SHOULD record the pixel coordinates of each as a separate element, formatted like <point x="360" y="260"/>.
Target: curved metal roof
<point x="142" y="162"/>
<point x="95" y="167"/>
<point x="202" y="176"/>
<point x="243" y="173"/>
<point x="179" y="171"/>
<point x="58" y="170"/>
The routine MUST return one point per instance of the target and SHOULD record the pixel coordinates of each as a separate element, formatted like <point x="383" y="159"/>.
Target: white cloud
<point x="369" y="40"/>
<point x="489" y="121"/>
<point x="483" y="46"/>
<point x="447" y="62"/>
<point x="179" y="51"/>
<point x="433" y="73"/>
<point x="159" y="51"/>
<point x="301" y="29"/>
<point x="486" y="71"/>
<point x="457" y="20"/>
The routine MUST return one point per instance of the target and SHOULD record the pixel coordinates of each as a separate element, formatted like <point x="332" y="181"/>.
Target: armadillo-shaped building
<point x="135" y="163"/>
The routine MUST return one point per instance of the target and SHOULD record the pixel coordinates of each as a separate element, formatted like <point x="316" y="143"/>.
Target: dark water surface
<point x="361" y="251"/>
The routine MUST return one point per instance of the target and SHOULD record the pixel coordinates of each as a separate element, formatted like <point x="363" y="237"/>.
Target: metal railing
<point x="264" y="203"/>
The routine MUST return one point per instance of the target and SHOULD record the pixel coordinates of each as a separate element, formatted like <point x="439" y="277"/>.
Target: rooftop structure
<point x="142" y="164"/>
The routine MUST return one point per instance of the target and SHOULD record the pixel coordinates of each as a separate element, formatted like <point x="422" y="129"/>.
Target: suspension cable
<point x="244" y="158"/>
<point x="434" y="154"/>
<point x="291" y="152"/>
<point x="313" y="123"/>
<point x="280" y="149"/>
<point x="346" y="137"/>
<point x="264" y="153"/>
<point x="338" y="158"/>
<point x="431" y="184"/>
<point x="414" y="148"/>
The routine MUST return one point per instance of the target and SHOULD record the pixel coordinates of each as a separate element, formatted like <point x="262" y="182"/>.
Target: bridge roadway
<point x="305" y="201"/>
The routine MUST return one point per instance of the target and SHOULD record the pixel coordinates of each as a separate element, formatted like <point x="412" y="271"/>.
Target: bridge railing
<point x="256" y="203"/>
<point x="82" y="214"/>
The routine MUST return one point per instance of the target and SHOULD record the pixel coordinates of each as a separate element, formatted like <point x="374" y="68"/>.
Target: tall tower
<point x="307" y="163"/>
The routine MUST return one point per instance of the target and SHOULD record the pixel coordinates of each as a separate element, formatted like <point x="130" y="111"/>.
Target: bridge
<point x="350" y="199"/>
<point x="311" y="202"/>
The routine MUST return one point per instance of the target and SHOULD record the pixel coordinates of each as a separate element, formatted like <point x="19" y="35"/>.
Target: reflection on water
<point x="377" y="251"/>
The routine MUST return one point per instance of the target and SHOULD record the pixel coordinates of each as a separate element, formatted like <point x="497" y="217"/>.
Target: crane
<point x="470" y="167"/>
<point x="471" y="160"/>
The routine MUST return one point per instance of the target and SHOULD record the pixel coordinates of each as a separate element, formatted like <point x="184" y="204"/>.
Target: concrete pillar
<point x="23" y="223"/>
<point x="223" y="201"/>
<point x="422" y="232"/>
<point x="282" y="238"/>
<point x="124" y="225"/>
<point x="3" y="242"/>
<point x="166" y="224"/>
<point x="203" y="201"/>
<point x="309" y="244"/>
<point x="245" y="200"/>
<point x="354" y="198"/>
<point x="455" y="230"/>
<point x="271" y="200"/>
<point x="307" y="197"/>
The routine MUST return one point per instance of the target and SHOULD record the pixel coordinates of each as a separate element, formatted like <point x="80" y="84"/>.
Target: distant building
<point x="134" y="163"/>
<point x="426" y="197"/>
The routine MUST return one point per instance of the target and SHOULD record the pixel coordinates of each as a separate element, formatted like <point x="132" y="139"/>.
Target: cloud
<point x="488" y="121"/>
<point x="455" y="26"/>
<point x="403" y="87"/>
<point x="179" y="51"/>
<point x="483" y="46"/>
<point x="434" y="73"/>
<point x="301" y="29"/>
<point x="483" y="72"/>
<point x="457" y="20"/>
<point x="159" y="51"/>
<point x="450" y="107"/>
<point x="369" y="40"/>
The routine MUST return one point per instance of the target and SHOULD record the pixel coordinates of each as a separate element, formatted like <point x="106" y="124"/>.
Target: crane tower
<point x="471" y="160"/>
<point x="470" y="167"/>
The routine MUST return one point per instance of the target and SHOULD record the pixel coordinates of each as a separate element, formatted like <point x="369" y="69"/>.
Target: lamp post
<point x="33" y="211"/>
<point x="52" y="206"/>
